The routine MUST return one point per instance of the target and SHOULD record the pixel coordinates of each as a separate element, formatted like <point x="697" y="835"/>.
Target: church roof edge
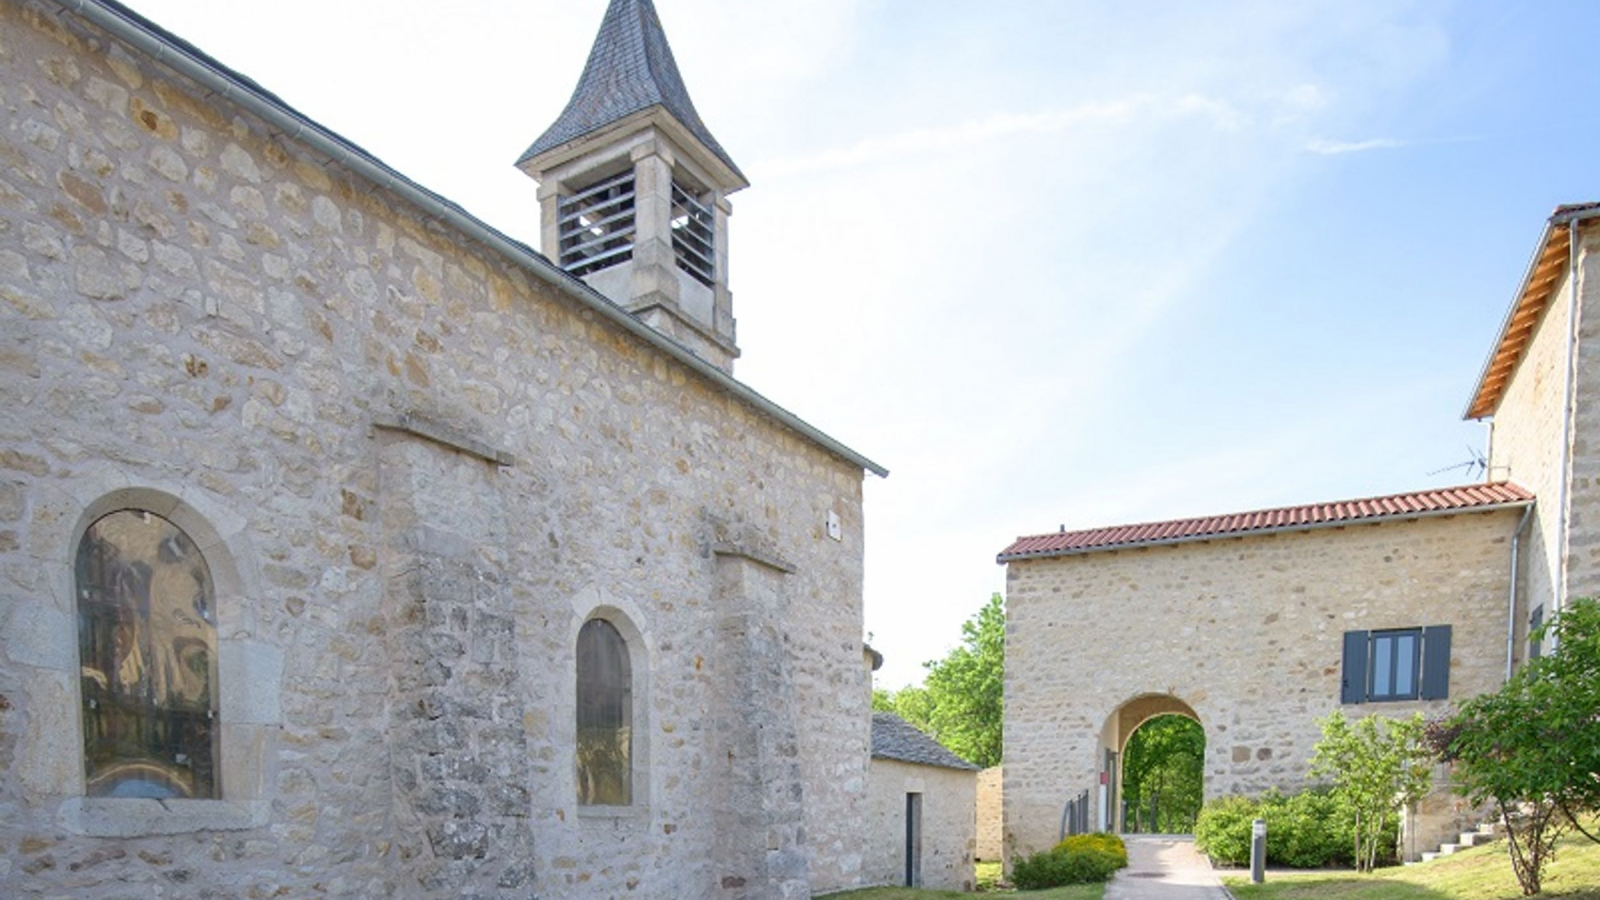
<point x="190" y="62"/>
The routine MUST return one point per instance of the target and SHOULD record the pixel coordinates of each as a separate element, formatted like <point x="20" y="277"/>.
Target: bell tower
<point x="633" y="188"/>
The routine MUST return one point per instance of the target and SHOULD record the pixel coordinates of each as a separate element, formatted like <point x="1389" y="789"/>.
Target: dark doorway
<point x="913" y="840"/>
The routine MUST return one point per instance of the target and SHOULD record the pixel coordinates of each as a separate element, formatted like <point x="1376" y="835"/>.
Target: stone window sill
<point x="139" y="817"/>
<point x="619" y="816"/>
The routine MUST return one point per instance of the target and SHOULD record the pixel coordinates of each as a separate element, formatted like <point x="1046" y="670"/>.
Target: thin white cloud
<point x="917" y="141"/>
<point x="1327" y="147"/>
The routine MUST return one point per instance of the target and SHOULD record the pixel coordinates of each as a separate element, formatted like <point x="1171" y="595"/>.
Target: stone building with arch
<point x="1257" y="624"/>
<point x="314" y="490"/>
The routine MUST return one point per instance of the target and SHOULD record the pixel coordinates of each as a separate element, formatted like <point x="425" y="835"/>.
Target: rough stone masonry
<point x="415" y="468"/>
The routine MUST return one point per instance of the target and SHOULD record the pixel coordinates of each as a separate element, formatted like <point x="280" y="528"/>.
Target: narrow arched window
<point x="605" y="716"/>
<point x="147" y="648"/>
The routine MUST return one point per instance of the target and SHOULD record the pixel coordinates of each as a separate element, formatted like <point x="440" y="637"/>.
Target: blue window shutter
<point x="1436" y="662"/>
<point x="1355" y="668"/>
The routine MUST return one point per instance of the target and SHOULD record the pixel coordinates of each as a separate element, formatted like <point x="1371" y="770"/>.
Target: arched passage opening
<point x="1153" y="766"/>
<point x="1163" y="775"/>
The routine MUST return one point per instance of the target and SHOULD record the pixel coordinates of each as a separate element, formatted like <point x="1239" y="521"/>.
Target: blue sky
<point x="1052" y="263"/>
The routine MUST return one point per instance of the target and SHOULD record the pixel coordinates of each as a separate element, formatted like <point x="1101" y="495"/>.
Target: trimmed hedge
<point x="1080" y="859"/>
<point x="1308" y="830"/>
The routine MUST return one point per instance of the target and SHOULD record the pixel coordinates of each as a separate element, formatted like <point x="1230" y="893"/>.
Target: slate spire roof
<point x="630" y="69"/>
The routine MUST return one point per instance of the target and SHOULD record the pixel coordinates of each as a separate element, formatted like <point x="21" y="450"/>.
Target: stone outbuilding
<point x="920" y="811"/>
<point x="1256" y="624"/>
<point x="350" y="548"/>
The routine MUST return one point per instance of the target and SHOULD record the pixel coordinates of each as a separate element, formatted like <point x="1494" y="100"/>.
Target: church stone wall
<point x="1247" y="632"/>
<point x="194" y="309"/>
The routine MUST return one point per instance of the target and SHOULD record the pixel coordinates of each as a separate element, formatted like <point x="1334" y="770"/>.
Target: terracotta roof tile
<point x="1315" y="515"/>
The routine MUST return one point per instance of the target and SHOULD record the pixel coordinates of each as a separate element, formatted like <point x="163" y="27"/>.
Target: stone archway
<point x="1119" y="728"/>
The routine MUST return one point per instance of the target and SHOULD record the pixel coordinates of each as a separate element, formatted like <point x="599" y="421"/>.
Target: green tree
<point x="959" y="701"/>
<point x="1163" y="774"/>
<point x="1378" y="766"/>
<point x="1532" y="749"/>
<point x="966" y="688"/>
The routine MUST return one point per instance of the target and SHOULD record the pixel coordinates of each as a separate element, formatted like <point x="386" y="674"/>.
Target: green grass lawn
<point x="1481" y="873"/>
<point x="1070" y="892"/>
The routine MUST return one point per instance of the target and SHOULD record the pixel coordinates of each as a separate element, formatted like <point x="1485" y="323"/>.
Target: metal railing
<point x="596" y="225"/>
<point x="1075" y="816"/>
<point x="693" y="236"/>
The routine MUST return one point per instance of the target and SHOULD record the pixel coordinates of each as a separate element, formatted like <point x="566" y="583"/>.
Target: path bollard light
<point x="1258" y="851"/>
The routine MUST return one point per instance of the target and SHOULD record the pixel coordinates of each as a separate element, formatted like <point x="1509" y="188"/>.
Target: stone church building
<point x="351" y="548"/>
<point x="1257" y="624"/>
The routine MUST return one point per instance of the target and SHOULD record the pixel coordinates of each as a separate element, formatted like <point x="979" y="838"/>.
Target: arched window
<point x="605" y="716"/>
<point x="147" y="651"/>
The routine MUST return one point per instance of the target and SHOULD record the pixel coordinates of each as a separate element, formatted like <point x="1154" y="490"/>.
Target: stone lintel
<point x="725" y="548"/>
<point x="429" y="429"/>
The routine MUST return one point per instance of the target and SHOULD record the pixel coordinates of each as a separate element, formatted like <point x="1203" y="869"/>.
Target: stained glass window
<point x="147" y="645"/>
<point x="605" y="716"/>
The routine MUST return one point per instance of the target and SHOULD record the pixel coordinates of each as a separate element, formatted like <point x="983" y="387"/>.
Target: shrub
<point x="1101" y="842"/>
<point x="1080" y="859"/>
<point x="1310" y="829"/>
<point x="1222" y="830"/>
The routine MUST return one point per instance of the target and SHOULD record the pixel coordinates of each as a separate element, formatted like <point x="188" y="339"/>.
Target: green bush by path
<point x="1307" y="830"/>
<point x="1080" y="859"/>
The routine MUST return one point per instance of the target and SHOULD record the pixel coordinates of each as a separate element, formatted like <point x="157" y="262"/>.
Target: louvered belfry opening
<point x="597" y="225"/>
<point x="694" y="229"/>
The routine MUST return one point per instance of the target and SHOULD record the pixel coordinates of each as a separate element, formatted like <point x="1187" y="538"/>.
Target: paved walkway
<point x="1165" y="867"/>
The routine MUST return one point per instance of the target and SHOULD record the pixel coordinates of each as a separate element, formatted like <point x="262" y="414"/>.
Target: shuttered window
<point x="1396" y="664"/>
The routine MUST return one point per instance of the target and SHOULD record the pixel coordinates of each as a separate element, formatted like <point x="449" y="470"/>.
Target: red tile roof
<point x="1471" y="497"/>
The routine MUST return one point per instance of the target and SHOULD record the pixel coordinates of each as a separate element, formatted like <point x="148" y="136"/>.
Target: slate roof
<point x="1545" y="271"/>
<point x="630" y="69"/>
<point x="895" y="738"/>
<point x="1467" y="498"/>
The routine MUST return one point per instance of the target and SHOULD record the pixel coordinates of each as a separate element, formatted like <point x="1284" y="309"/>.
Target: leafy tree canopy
<point x="1379" y="766"/>
<point x="1532" y="749"/>
<point x="959" y="702"/>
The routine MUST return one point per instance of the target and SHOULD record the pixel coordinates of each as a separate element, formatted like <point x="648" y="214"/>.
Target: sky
<point x="1054" y="264"/>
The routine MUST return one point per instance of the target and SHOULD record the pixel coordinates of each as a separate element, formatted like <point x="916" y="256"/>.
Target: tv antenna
<point x="1474" y="465"/>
